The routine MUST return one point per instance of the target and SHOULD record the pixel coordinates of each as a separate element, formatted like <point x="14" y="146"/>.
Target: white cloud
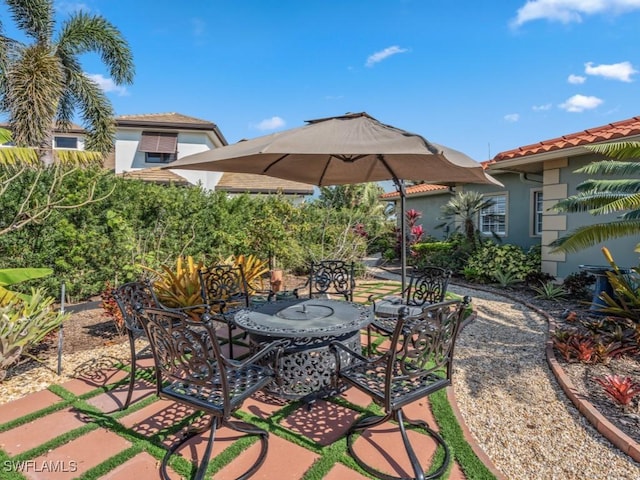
<point x="382" y="54"/>
<point x="616" y="71"/>
<point x="567" y="11"/>
<point x="512" y="117"/>
<point x="576" y="79"/>
<point x="270" y="123"/>
<point x="107" y="84"/>
<point x="541" y="108"/>
<point x="580" y="103"/>
<point x="71" y="7"/>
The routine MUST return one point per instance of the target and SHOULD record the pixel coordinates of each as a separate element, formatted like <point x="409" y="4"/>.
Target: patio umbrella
<point x="352" y="148"/>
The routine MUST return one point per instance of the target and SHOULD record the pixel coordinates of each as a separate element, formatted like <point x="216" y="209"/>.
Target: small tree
<point x="461" y="213"/>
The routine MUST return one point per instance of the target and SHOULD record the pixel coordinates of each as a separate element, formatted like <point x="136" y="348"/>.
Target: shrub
<point x="437" y="254"/>
<point x="578" y="284"/>
<point x="23" y="324"/>
<point x="509" y="259"/>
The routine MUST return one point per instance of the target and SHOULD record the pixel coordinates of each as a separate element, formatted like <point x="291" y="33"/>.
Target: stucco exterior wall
<point x="565" y="264"/>
<point x="429" y="207"/>
<point x="128" y="157"/>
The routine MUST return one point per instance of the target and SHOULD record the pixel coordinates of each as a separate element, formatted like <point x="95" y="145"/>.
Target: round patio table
<point x="307" y="326"/>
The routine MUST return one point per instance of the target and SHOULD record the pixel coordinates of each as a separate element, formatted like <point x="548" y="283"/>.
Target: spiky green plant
<point x="23" y="324"/>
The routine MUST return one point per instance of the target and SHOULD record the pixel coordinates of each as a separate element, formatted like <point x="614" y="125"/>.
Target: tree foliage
<point x="42" y="83"/>
<point x="604" y="196"/>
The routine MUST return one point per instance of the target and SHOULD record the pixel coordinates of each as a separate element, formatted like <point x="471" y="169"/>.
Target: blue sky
<point x="481" y="76"/>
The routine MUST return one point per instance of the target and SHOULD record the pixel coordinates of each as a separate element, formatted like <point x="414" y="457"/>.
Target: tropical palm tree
<point x="461" y="212"/>
<point x="42" y="83"/>
<point x="601" y="197"/>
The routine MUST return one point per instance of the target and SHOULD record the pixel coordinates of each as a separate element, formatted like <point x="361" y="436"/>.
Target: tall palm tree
<point x="42" y="83"/>
<point x="601" y="197"/>
<point x="462" y="211"/>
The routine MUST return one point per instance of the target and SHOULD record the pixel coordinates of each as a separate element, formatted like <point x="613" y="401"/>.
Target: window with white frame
<point x="493" y="219"/>
<point x="537" y="212"/>
<point x="65" y="142"/>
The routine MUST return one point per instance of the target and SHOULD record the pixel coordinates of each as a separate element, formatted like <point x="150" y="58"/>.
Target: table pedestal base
<point x="307" y="366"/>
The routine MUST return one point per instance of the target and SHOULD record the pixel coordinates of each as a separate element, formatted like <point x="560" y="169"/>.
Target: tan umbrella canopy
<point x="352" y="148"/>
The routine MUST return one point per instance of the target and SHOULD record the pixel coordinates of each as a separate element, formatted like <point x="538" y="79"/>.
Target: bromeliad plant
<point x="621" y="389"/>
<point x="253" y="269"/>
<point x="178" y="286"/>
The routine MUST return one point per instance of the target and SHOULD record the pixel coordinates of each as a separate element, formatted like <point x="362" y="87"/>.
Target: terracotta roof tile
<point x="611" y="131"/>
<point x="416" y="189"/>
<point x="250" y="183"/>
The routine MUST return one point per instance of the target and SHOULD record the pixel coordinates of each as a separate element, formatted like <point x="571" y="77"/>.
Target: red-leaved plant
<point x="622" y="389"/>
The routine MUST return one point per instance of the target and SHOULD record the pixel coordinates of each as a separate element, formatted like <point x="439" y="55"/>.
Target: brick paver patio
<point x="76" y="430"/>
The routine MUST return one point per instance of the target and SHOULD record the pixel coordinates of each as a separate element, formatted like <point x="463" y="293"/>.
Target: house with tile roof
<point x="535" y="178"/>
<point x="144" y="143"/>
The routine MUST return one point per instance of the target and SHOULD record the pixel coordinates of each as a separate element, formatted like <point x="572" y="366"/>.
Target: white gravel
<point x="513" y="405"/>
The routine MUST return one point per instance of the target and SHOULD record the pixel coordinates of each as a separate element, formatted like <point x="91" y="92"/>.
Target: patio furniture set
<point x="301" y="349"/>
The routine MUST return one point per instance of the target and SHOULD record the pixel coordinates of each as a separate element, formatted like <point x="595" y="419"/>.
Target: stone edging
<point x="607" y="429"/>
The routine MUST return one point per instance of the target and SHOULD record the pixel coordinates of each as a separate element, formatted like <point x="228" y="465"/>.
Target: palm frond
<point x="35" y="17"/>
<point x="619" y="150"/>
<point x="626" y="185"/>
<point x="16" y="156"/>
<point x="590" y="235"/>
<point x="610" y="167"/>
<point x="587" y="201"/>
<point x="84" y="33"/>
<point x="96" y="111"/>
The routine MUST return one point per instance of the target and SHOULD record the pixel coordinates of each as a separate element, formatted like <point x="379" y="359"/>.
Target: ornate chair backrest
<point x="421" y="347"/>
<point x="132" y="298"/>
<point x="187" y="351"/>
<point x="332" y="276"/>
<point x="427" y="285"/>
<point x="224" y="282"/>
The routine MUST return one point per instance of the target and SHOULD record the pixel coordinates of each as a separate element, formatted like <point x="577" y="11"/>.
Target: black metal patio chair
<point x="191" y="370"/>
<point x="132" y="299"/>
<point x="427" y="285"/>
<point x="329" y="277"/>
<point x="225" y="283"/>
<point x="417" y="364"/>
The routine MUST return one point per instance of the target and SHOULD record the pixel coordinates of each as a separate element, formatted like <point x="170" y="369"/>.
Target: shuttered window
<point x="158" y="142"/>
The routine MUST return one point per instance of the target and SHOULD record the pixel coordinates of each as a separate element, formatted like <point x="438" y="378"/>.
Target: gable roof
<point x="415" y="190"/>
<point x="250" y="183"/>
<point x="612" y="131"/>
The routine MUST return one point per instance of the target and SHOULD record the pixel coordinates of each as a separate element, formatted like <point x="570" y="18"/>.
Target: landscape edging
<point x="607" y="429"/>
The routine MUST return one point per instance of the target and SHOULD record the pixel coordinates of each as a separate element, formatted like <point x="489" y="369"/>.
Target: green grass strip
<point x="450" y="430"/>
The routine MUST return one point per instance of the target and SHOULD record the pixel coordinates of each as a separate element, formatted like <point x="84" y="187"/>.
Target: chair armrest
<point x="278" y="345"/>
<point x="336" y="345"/>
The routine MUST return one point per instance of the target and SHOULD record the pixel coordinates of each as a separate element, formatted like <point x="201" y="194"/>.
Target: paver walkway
<point x="76" y="430"/>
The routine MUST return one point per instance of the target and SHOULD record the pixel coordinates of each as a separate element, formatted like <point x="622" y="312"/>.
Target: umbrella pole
<point x="403" y="234"/>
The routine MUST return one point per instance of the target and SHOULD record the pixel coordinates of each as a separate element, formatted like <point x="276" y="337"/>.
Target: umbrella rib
<point x="264" y="172"/>
<point x="324" y="170"/>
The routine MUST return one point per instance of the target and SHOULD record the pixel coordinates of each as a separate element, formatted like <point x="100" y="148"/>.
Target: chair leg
<point x="229" y="328"/>
<point x="212" y="425"/>
<point x="133" y="367"/>
<point x="251" y="430"/>
<point x="397" y="415"/>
